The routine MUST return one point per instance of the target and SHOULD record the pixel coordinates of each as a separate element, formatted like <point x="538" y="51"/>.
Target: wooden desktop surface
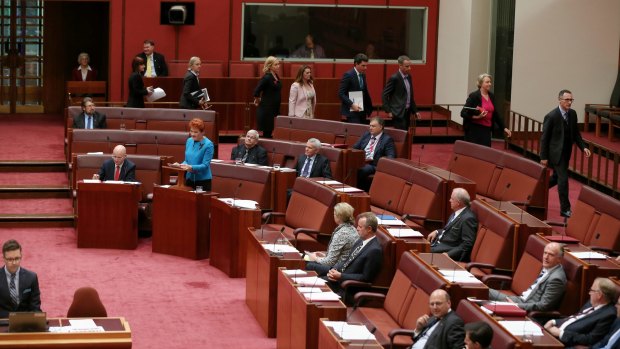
<point x="329" y="339"/>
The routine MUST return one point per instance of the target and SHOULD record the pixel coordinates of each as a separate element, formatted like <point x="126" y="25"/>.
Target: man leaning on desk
<point x="118" y="168"/>
<point x="19" y="288"/>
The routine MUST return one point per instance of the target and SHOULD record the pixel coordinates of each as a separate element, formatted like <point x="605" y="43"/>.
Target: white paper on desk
<point x="279" y="248"/>
<point x="329" y="182"/>
<point x="404" y="233"/>
<point x="250" y="165"/>
<point x="286" y="169"/>
<point x="269" y="167"/>
<point x="348" y="190"/>
<point x="295" y="272"/>
<point x="217" y="160"/>
<point x="82" y="323"/>
<point x="95" y="153"/>
<point x="357" y="97"/>
<point x="589" y="255"/>
<point x="520" y="328"/>
<point x="321" y="296"/>
<point x="309" y="281"/>
<point x="158" y="93"/>
<point x="249" y="204"/>
<point x="134" y="183"/>
<point x="350" y="332"/>
<point x="390" y="222"/>
<point x="114" y="182"/>
<point x="91" y="181"/>
<point x="459" y="276"/>
<point x="165" y="186"/>
<point x="303" y="289"/>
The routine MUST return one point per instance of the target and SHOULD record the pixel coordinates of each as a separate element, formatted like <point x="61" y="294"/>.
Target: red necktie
<point x="117" y="173"/>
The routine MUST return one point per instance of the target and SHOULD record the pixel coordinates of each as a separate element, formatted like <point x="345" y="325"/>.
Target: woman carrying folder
<point x="192" y="98"/>
<point x="479" y="114"/>
<point x="198" y="155"/>
<point x="267" y="96"/>
<point x="136" y="85"/>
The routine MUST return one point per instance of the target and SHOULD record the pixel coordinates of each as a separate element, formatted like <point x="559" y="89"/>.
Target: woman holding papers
<point x="192" y="97"/>
<point x="198" y="155"/>
<point x="136" y="85"/>
<point x="267" y="96"/>
<point x="339" y="247"/>
<point x="302" y="97"/>
<point x="479" y="114"/>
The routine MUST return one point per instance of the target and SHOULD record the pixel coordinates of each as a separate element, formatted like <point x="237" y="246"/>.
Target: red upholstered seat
<point x="469" y="313"/>
<point x="86" y="303"/>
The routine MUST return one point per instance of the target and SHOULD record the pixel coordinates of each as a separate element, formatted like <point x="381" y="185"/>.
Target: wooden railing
<point x="600" y="171"/>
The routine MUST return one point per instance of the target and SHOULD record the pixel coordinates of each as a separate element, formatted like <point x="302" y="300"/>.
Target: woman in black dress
<point x="267" y="96"/>
<point x="136" y="85"/>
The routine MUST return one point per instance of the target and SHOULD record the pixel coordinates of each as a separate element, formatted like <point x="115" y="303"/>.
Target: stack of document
<point x="589" y="255"/>
<point x="309" y="281"/>
<point x="295" y="272"/>
<point x="329" y="182"/>
<point x="459" y="276"/>
<point x="321" y="296"/>
<point x="348" y="189"/>
<point x="279" y="248"/>
<point x="249" y="204"/>
<point x="78" y="325"/>
<point x="404" y="232"/>
<point x="304" y="289"/>
<point x="522" y="328"/>
<point x="350" y="332"/>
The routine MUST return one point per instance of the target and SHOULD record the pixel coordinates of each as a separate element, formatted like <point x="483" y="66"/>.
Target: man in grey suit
<point x="545" y="293"/>
<point x="397" y="95"/>
<point x="560" y="131"/>
<point x="19" y="288"/>
<point x="89" y="118"/>
<point x="458" y="236"/>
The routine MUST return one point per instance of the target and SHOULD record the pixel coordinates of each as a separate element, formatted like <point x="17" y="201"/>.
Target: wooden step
<point x="36" y="220"/>
<point x="32" y="191"/>
<point x="33" y="166"/>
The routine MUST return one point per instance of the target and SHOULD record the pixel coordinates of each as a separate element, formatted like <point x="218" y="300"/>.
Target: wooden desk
<point x="181" y="222"/>
<point x="229" y="226"/>
<point x="470" y="312"/>
<point x="456" y="290"/>
<point x="261" y="292"/>
<point x="117" y="335"/>
<point x="285" y="180"/>
<point x="418" y="244"/>
<point x="108" y="215"/>
<point x="298" y="319"/>
<point x="328" y="339"/>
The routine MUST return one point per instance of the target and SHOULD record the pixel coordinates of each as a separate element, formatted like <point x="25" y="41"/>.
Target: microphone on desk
<point x="156" y="145"/>
<point x="236" y="192"/>
<point x="263" y="227"/>
<point x="372" y="332"/>
<point x="420" y="156"/>
<point x="273" y="156"/>
<point x="346" y="134"/>
<point x="108" y="139"/>
<point x="527" y="203"/>
<point x="344" y="181"/>
<point x="122" y="121"/>
<point x="276" y="240"/>
<point x="501" y="197"/>
<point x="456" y="157"/>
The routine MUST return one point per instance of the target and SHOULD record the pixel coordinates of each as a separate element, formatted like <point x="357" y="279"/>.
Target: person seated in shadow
<point x="478" y="335"/>
<point x="309" y="49"/>
<point x="118" y="168"/>
<point x="279" y="50"/>
<point x="84" y="71"/>
<point x="89" y="118"/>
<point x="250" y="152"/>
<point x="249" y="46"/>
<point x="313" y="164"/>
<point x="340" y="243"/>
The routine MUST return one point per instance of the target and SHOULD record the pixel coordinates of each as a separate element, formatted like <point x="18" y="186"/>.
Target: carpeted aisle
<point x="170" y="302"/>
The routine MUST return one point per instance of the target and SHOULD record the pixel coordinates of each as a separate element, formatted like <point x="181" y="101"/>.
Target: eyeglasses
<point x="568" y="99"/>
<point x="13" y="260"/>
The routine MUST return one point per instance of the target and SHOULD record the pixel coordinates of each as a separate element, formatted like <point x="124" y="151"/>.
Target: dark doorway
<point x="73" y="27"/>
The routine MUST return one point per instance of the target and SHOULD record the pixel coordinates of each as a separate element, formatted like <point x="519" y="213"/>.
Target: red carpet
<point x="21" y="178"/>
<point x="36" y="206"/>
<point x="31" y="137"/>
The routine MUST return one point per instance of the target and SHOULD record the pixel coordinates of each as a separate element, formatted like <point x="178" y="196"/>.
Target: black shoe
<point x="566" y="213"/>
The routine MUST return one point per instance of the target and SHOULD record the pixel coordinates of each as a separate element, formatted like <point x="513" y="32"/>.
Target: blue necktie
<point x="361" y="81"/>
<point x="305" y="171"/>
<point x="89" y="124"/>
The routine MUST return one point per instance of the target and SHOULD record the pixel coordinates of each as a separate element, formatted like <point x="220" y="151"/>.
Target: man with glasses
<point x="89" y="118"/>
<point x="397" y="95"/>
<point x="593" y="321"/>
<point x="19" y="288"/>
<point x="560" y="131"/>
<point x="118" y="168"/>
<point x="250" y="152"/>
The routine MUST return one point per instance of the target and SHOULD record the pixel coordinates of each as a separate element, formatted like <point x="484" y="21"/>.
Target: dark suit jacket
<point x="161" y="69"/>
<point x="256" y="154"/>
<point x="603" y="342"/>
<point x="268" y="89"/>
<point x="394" y="97"/>
<point x="29" y="293"/>
<point x="91" y="75"/>
<point x="128" y="171"/>
<point x="385" y="146"/>
<point x="458" y="236"/>
<point x="475" y="100"/>
<point x="99" y="121"/>
<point x="590" y="328"/>
<point x="190" y="84"/>
<point x="320" y="166"/>
<point x="348" y="83"/>
<point x="137" y="91"/>
<point x="449" y="333"/>
<point x="366" y="265"/>
<point x="552" y="139"/>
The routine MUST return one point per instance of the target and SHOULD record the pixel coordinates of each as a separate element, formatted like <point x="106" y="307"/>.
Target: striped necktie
<point x="13" y="291"/>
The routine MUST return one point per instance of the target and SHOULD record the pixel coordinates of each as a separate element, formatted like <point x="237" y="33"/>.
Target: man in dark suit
<point x="397" y="95"/>
<point x="192" y="96"/>
<point x="19" y="287"/>
<point x="364" y="262"/>
<point x="118" y="168"/>
<point x="443" y="329"/>
<point x="313" y="164"/>
<point x="355" y="80"/>
<point x="478" y="335"/>
<point x="560" y="131"/>
<point x="376" y="144"/>
<point x="546" y="292"/>
<point x="155" y="62"/>
<point x="89" y="118"/>
<point x="612" y="339"/>
<point x="593" y="320"/>
<point x="250" y="152"/>
<point x="458" y="236"/>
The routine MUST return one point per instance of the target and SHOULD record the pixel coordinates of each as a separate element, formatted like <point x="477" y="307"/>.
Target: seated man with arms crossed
<point x="376" y="144"/>
<point x="546" y="292"/>
<point x="250" y="152"/>
<point x="593" y="320"/>
<point x="457" y="238"/>
<point x="443" y="329"/>
<point x="19" y="287"/>
<point x="118" y="168"/>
